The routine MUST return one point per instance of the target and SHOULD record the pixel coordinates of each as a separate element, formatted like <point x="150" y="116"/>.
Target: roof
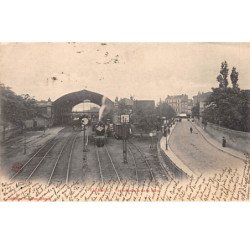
<point x="183" y="96"/>
<point x="67" y="102"/>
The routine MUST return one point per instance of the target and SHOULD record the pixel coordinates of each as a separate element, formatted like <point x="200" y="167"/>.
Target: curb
<point x="186" y="170"/>
<point x="162" y="162"/>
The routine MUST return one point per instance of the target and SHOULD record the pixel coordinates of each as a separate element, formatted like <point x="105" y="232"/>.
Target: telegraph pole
<point x="125" y="160"/>
<point x="84" y="123"/>
<point x="24" y="150"/>
<point x="151" y="145"/>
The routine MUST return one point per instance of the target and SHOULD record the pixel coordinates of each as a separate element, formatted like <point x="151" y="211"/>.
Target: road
<point x="196" y="153"/>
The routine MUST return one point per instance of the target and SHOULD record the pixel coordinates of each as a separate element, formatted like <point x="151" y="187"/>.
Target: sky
<point x="144" y="70"/>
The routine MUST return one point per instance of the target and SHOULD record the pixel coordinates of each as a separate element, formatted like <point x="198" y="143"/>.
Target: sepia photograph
<point x="122" y="121"/>
<point x="124" y="124"/>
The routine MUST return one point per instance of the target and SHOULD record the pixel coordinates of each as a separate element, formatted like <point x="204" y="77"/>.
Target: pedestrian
<point x="169" y="131"/>
<point x="191" y="130"/>
<point x="44" y="129"/>
<point x="224" y="142"/>
<point x="165" y="131"/>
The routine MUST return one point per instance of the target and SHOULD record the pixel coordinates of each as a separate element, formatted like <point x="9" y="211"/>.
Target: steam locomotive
<point x="100" y="134"/>
<point x="102" y="131"/>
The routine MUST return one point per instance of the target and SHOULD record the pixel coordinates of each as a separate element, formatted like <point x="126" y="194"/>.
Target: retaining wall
<point x="235" y="139"/>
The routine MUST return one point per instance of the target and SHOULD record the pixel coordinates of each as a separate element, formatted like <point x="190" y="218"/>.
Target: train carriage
<point x="121" y="131"/>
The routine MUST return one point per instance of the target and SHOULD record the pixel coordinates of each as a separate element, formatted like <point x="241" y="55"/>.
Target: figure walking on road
<point x="191" y="130"/>
<point x="168" y="130"/>
<point x="224" y="141"/>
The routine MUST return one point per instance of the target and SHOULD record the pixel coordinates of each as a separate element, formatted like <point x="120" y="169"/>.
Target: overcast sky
<point x="146" y="71"/>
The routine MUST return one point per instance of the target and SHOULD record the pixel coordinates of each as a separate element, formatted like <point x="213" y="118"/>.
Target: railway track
<point x="54" y="161"/>
<point x="37" y="160"/>
<point x="109" y="169"/>
<point x="142" y="158"/>
<point x="62" y="166"/>
<point x="99" y="164"/>
<point x="57" y="160"/>
<point x="135" y="164"/>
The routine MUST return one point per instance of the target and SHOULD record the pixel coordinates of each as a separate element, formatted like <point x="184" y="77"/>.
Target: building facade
<point x="143" y="105"/>
<point x="201" y="100"/>
<point x="179" y="103"/>
<point x="190" y="106"/>
<point x="45" y="108"/>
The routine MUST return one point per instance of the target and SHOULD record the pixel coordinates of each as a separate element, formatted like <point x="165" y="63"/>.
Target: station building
<point x="44" y="118"/>
<point x="45" y="107"/>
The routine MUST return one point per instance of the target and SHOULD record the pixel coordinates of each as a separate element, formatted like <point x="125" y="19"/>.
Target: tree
<point x="16" y="108"/>
<point x="132" y="98"/>
<point x="145" y="120"/>
<point x="196" y="110"/>
<point x="234" y="79"/>
<point x="222" y="77"/>
<point x="227" y="106"/>
<point x="165" y="110"/>
<point x="122" y="108"/>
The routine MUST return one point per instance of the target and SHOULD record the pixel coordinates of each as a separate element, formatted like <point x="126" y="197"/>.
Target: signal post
<point x="124" y="120"/>
<point x="84" y="122"/>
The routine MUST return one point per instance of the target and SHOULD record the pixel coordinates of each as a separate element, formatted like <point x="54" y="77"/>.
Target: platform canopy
<point x="62" y="107"/>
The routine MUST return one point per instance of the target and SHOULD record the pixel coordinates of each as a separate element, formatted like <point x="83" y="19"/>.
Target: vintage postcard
<point x="125" y="121"/>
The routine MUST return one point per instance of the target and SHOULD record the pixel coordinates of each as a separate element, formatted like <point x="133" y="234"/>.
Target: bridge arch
<point x="63" y="105"/>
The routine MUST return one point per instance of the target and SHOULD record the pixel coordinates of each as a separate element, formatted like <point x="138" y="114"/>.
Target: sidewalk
<point x="173" y="157"/>
<point x="218" y="145"/>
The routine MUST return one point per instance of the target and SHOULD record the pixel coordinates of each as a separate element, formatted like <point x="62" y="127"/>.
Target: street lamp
<point x="166" y="131"/>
